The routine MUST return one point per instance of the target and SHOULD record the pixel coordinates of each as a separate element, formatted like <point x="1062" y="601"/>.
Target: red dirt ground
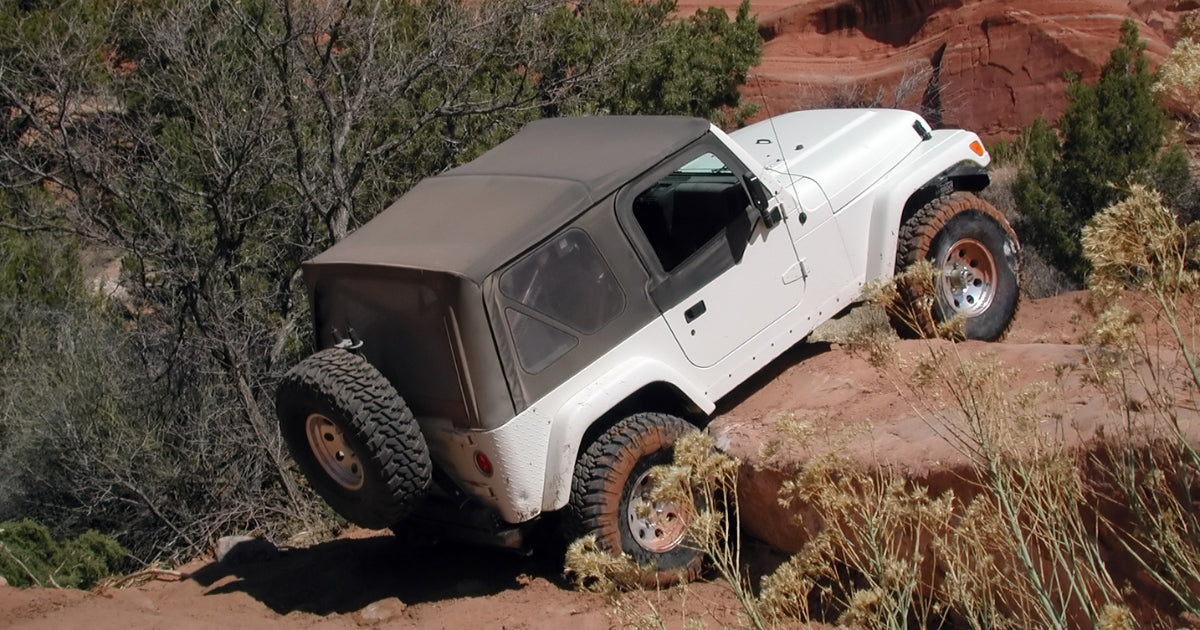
<point x="369" y="579"/>
<point x="874" y="420"/>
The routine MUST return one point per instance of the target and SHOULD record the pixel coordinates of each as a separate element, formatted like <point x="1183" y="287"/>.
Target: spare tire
<point x="354" y="438"/>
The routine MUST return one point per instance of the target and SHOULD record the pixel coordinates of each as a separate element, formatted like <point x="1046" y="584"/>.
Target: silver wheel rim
<point x="656" y="527"/>
<point x="333" y="453"/>
<point x="967" y="282"/>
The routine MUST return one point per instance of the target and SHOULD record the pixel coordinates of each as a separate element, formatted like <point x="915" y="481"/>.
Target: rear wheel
<point x="353" y="437"/>
<point x="976" y="260"/>
<point x="610" y="498"/>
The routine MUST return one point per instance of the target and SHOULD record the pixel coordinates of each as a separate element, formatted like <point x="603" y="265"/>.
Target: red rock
<point x="1000" y="64"/>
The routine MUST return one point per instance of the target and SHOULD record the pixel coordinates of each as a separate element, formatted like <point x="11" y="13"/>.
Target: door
<point x="719" y="274"/>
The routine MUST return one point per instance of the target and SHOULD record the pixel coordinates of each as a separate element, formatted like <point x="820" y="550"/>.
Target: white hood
<point x="843" y="150"/>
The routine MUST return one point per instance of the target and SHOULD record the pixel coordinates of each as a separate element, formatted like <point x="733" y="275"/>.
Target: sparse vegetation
<point x="1112" y="135"/>
<point x="30" y="556"/>
<point x="1140" y="254"/>
<point x="919" y="87"/>
<point x="1179" y="84"/>
<point x="702" y="483"/>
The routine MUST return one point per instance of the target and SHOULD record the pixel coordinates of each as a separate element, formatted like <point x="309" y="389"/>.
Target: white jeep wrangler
<point x="530" y="332"/>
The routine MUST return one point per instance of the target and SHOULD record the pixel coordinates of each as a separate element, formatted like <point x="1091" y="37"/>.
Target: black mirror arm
<point x="760" y="198"/>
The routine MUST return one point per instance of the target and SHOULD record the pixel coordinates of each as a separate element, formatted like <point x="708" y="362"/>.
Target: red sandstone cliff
<point x="999" y="63"/>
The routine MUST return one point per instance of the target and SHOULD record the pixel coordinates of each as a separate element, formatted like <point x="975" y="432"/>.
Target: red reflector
<point x="483" y="464"/>
<point x="977" y="148"/>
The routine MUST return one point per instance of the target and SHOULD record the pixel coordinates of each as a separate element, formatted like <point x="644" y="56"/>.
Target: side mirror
<point x="759" y="195"/>
<point x="760" y="198"/>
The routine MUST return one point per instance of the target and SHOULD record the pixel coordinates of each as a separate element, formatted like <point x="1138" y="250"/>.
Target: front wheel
<point x="610" y="498"/>
<point x="976" y="261"/>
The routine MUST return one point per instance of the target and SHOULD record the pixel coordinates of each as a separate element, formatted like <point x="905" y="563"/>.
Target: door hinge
<point x="796" y="272"/>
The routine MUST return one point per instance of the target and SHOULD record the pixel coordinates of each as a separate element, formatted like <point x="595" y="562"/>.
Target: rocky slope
<point x="998" y="64"/>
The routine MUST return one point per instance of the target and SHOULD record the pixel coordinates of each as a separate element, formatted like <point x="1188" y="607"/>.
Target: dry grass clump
<point x="909" y="299"/>
<point x="703" y="482"/>
<point x="594" y="569"/>
<point x="868" y="566"/>
<point x="1138" y="244"/>
<point x="1179" y="73"/>
<point x="864" y="564"/>
<point x="1024" y="553"/>
<point x="1015" y="550"/>
<point x="1141" y="253"/>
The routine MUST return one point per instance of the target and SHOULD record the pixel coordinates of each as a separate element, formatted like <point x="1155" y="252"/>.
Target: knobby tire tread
<point x="374" y="415"/>
<point x="594" y="482"/>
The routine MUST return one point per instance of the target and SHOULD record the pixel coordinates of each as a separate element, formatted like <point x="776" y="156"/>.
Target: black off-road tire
<point x="354" y="438"/>
<point x="976" y="255"/>
<point x="610" y="475"/>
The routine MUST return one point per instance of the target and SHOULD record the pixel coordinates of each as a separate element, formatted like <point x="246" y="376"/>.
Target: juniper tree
<point x="215" y="146"/>
<point x="1112" y="136"/>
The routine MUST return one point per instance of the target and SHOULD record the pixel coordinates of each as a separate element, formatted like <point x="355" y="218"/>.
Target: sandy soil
<point x="370" y="579"/>
<point x="363" y="579"/>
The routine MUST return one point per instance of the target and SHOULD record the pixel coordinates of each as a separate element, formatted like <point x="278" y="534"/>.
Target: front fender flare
<point x="948" y="149"/>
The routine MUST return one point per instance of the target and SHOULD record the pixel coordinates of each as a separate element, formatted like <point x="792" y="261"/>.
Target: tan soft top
<point x="475" y="218"/>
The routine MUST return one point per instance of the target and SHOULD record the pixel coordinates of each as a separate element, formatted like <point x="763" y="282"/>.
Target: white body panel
<point x="946" y="148"/>
<point x="843" y="150"/>
<point x="535" y="452"/>
<point x="741" y="302"/>
<point x="842" y="196"/>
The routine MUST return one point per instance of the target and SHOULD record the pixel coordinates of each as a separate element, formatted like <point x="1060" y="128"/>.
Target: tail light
<point x="483" y="464"/>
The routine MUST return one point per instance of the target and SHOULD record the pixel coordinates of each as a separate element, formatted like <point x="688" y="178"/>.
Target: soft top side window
<point x="567" y="289"/>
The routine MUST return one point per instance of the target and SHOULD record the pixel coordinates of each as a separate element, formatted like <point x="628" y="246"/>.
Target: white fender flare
<point x="930" y="159"/>
<point x="577" y="415"/>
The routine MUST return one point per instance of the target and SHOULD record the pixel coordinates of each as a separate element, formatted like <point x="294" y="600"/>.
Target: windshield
<point x="705" y="164"/>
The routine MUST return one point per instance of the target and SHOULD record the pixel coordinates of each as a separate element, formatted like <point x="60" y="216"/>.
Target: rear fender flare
<point x="581" y="411"/>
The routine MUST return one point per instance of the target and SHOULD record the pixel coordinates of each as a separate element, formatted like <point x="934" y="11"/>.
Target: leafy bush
<point x="1112" y="136"/>
<point x="691" y="66"/>
<point x="29" y="556"/>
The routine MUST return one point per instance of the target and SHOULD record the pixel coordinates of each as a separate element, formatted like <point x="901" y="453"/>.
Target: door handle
<point x="695" y="311"/>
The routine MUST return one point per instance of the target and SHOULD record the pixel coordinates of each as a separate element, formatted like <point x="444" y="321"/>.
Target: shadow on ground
<point x="343" y="576"/>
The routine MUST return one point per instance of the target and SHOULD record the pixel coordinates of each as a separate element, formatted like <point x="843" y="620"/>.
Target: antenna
<point x="774" y="132"/>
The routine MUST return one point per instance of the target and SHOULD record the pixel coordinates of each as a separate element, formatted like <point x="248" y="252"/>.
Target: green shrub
<point x="1112" y="136"/>
<point x="29" y="556"/>
<point x="1045" y="223"/>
